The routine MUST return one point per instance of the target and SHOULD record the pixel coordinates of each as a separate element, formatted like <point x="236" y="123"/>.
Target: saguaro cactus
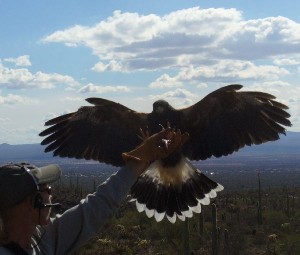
<point x="288" y="211"/>
<point x="226" y="242"/>
<point x="215" y="246"/>
<point x="293" y="203"/>
<point x="186" y="238"/>
<point x="201" y="224"/>
<point x="259" y="206"/>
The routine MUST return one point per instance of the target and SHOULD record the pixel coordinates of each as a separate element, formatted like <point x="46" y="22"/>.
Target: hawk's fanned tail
<point x="173" y="192"/>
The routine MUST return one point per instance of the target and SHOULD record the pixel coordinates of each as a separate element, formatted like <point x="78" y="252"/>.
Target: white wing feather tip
<point x="212" y="194"/>
<point x="181" y="217"/>
<point x="140" y="207"/>
<point x="205" y="200"/>
<point x="149" y="212"/>
<point x="188" y="213"/>
<point x="159" y="216"/>
<point x="172" y="219"/>
<point x="219" y="188"/>
<point x="197" y="208"/>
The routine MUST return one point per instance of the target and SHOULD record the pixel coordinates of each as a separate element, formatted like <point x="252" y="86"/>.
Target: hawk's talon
<point x="162" y="126"/>
<point x="144" y="134"/>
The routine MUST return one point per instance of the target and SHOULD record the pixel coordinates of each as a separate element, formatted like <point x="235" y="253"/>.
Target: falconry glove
<point x="157" y="146"/>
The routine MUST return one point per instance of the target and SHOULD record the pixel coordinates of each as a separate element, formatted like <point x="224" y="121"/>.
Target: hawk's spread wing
<point x="221" y="123"/>
<point x="100" y="132"/>
<point x="227" y="120"/>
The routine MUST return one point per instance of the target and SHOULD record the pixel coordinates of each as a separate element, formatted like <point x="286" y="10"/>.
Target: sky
<point x="55" y="54"/>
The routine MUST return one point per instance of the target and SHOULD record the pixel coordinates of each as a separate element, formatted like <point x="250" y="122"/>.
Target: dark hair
<point x="15" y="185"/>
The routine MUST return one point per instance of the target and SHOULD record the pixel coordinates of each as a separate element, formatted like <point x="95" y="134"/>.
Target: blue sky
<point x="54" y="54"/>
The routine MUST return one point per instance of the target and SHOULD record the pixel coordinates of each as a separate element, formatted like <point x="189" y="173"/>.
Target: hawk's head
<point x="161" y="106"/>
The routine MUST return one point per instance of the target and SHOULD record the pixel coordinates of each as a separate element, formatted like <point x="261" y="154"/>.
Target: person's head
<point x="26" y="187"/>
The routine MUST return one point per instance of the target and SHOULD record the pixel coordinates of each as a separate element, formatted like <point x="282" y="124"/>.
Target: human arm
<point x="75" y="226"/>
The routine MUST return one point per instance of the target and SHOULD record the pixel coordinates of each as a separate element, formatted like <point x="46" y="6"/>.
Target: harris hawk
<point x="218" y="125"/>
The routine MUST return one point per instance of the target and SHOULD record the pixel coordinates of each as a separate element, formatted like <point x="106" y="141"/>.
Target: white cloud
<point x="72" y="99"/>
<point x="51" y="115"/>
<point x="194" y="46"/>
<point x="111" y="66"/>
<point x="12" y="99"/>
<point x="25" y="134"/>
<point x="20" y="78"/>
<point x="165" y="81"/>
<point x="129" y="41"/>
<point x="274" y="87"/>
<point x="202" y="85"/>
<point x="286" y="61"/>
<point x="102" y="89"/>
<point x="262" y="38"/>
<point x="177" y="98"/>
<point x="4" y="119"/>
<point x="223" y="71"/>
<point x="19" y="61"/>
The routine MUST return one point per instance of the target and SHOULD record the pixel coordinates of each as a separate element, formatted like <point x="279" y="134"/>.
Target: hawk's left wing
<point x="100" y="132"/>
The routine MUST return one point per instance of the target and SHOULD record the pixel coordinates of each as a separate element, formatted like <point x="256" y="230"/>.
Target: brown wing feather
<point x="101" y="132"/>
<point x="227" y="120"/>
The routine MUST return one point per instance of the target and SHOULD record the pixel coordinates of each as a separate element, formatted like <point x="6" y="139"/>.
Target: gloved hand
<point x="159" y="145"/>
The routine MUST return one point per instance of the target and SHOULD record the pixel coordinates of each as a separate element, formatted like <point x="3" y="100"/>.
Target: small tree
<point x="259" y="206"/>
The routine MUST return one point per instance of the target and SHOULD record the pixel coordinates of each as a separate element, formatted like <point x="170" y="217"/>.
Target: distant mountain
<point x="288" y="144"/>
<point x="22" y="152"/>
